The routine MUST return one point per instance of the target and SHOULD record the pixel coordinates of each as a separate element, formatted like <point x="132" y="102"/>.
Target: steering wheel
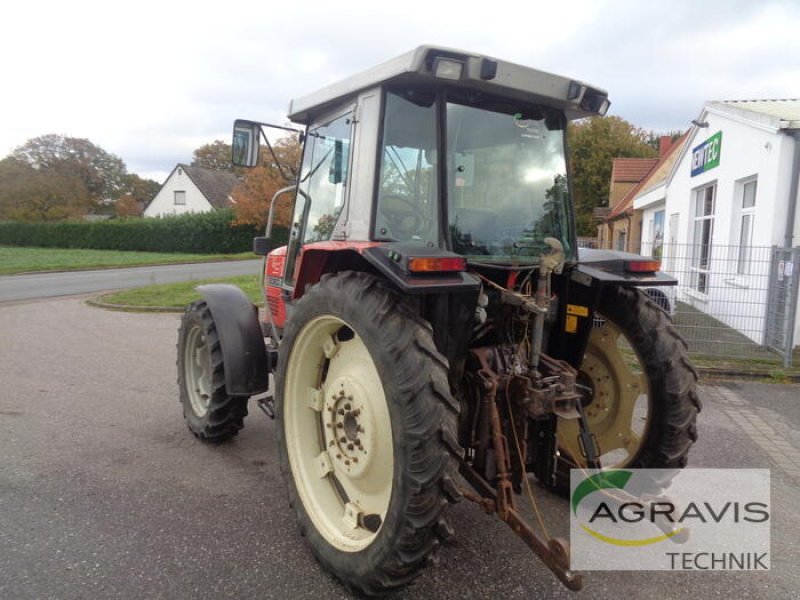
<point x="403" y="216"/>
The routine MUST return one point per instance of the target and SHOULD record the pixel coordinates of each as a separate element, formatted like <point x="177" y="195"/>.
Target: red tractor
<point x="433" y="331"/>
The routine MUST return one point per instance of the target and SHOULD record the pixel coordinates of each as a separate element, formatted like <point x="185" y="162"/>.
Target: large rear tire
<point x="210" y="413"/>
<point x="644" y="403"/>
<point x="366" y="430"/>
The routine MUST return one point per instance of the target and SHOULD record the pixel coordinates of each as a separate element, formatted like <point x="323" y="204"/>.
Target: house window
<point x="621" y="241"/>
<point x="657" y="234"/>
<point x="180" y="198"/>
<point x="704" y="199"/>
<point x="747" y="202"/>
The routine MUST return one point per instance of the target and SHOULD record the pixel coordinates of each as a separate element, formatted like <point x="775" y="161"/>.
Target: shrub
<point x="212" y="233"/>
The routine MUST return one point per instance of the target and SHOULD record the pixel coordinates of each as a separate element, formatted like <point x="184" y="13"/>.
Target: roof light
<point x="642" y="266"/>
<point x="595" y="101"/>
<point x="421" y="264"/>
<point x="447" y="68"/>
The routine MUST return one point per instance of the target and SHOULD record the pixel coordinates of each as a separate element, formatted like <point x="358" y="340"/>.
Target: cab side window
<point x="324" y="178"/>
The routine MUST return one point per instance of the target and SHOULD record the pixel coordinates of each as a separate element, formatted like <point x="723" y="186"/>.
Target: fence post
<point x="791" y="317"/>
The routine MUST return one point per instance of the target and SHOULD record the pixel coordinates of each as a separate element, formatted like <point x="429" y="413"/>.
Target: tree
<point x="29" y="194"/>
<point x="101" y="173"/>
<point x="216" y="155"/>
<point x="593" y="144"/>
<point x="127" y="206"/>
<point x="252" y="197"/>
<point x="140" y="189"/>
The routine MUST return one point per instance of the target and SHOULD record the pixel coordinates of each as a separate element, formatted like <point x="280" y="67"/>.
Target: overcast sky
<point x="152" y="81"/>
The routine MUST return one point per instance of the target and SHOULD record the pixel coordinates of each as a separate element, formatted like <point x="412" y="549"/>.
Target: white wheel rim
<point x="197" y="371"/>
<point x="338" y="433"/>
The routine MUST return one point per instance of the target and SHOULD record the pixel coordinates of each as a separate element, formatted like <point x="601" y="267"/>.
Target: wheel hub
<point x="615" y="389"/>
<point x="348" y="426"/>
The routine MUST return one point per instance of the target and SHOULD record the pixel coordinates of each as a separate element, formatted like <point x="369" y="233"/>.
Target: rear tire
<point x="210" y="413"/>
<point x="366" y="432"/>
<point x="639" y="370"/>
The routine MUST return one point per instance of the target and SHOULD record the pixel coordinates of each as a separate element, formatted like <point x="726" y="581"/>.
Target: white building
<point x="191" y="189"/>
<point x="730" y="196"/>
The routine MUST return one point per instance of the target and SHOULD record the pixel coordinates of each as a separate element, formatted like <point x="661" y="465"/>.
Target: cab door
<point x="322" y="189"/>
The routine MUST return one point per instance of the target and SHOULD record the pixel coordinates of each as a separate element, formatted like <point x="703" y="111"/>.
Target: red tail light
<point x="420" y="264"/>
<point x="642" y="266"/>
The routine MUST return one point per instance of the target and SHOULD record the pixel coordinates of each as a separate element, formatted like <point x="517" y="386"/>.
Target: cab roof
<point x="435" y="65"/>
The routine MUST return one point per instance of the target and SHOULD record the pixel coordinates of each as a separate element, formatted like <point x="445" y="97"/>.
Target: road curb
<point x="99" y="302"/>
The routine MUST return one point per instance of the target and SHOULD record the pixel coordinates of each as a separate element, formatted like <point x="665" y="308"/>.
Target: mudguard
<point x="243" y="350"/>
<point x="608" y="267"/>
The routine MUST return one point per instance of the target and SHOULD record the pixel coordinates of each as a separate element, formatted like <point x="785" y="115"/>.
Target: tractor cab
<point x="437" y="154"/>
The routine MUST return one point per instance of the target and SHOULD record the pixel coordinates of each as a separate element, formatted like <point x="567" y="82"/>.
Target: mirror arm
<point x="274" y="157"/>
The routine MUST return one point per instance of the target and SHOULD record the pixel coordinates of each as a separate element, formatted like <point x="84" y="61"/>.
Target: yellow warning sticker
<point x="571" y="324"/>
<point x="578" y="311"/>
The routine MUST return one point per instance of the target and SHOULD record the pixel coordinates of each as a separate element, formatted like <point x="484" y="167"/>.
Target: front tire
<point x="211" y="414"/>
<point x="366" y="428"/>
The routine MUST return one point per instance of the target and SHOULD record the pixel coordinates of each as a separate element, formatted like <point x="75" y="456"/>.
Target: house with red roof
<point x="622" y="225"/>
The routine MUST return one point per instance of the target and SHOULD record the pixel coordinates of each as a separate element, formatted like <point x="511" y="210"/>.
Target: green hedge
<point x="204" y="233"/>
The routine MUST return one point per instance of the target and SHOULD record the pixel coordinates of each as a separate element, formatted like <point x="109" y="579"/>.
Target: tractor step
<point x="267" y="404"/>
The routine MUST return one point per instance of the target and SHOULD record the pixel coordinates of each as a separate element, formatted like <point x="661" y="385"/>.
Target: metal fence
<point x="731" y="302"/>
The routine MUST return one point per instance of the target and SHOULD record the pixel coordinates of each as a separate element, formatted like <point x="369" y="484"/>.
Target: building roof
<point x="781" y="113"/>
<point x="215" y="185"/>
<point x="657" y="174"/>
<point x="631" y="170"/>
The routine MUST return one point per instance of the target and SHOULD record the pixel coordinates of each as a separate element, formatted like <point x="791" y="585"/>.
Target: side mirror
<point x="245" y="143"/>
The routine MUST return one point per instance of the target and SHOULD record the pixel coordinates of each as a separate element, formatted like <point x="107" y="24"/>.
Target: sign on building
<point x="706" y="156"/>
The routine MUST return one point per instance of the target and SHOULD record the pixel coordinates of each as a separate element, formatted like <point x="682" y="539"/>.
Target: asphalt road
<point x="48" y="285"/>
<point x="105" y="494"/>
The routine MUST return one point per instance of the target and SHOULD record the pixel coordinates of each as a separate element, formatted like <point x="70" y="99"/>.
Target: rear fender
<point x="244" y="353"/>
<point x="374" y="257"/>
<point x="609" y="267"/>
<point x="579" y="289"/>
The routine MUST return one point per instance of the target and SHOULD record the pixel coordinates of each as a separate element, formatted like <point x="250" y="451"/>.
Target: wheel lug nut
<point x="355" y="459"/>
<point x="341" y="411"/>
<point x="356" y="412"/>
<point x="347" y="406"/>
<point x="342" y="439"/>
<point x="350" y="446"/>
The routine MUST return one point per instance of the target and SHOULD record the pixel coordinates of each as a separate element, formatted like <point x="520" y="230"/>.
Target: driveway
<point x="105" y="494"/>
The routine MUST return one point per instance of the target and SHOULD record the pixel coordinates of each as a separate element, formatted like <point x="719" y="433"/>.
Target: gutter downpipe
<point x="793" y="187"/>
<point x="790" y="226"/>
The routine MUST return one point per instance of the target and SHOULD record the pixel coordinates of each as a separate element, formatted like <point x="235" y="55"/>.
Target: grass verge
<point x="36" y="260"/>
<point x="174" y="296"/>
